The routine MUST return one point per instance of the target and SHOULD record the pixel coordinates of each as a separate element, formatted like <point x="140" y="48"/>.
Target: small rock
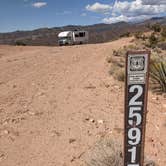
<point x="90" y="87"/>
<point x="116" y="87"/>
<point x="71" y="140"/>
<point x="107" y="85"/>
<point x="89" y="133"/>
<point x="73" y="159"/>
<point x="92" y="120"/>
<point x="100" y="121"/>
<point x="31" y="113"/>
<point x="14" y="86"/>
<point x="54" y="132"/>
<point x="41" y="94"/>
<point x="87" y="119"/>
<point x="6" y="132"/>
<point x="151" y="140"/>
<point x="2" y="156"/>
<point x="155" y="98"/>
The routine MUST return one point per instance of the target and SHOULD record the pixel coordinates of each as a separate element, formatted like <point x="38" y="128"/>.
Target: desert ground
<point x="56" y="102"/>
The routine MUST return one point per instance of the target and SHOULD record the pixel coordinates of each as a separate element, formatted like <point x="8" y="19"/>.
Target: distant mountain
<point x="159" y="20"/>
<point x="98" y="33"/>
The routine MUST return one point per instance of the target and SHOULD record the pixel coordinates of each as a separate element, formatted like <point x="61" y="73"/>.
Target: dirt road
<point x="55" y="102"/>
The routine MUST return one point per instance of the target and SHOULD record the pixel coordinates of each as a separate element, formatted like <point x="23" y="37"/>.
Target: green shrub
<point x="153" y="40"/>
<point x="156" y="27"/>
<point x="163" y="33"/>
<point x="158" y="75"/>
<point x="20" y="43"/>
<point x="138" y="35"/>
<point x="127" y="34"/>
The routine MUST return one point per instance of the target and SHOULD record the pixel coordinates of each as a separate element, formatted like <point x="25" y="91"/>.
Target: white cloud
<point x="39" y="4"/>
<point x="99" y="8"/>
<point x="135" y="10"/>
<point x="154" y="2"/>
<point x="120" y="18"/>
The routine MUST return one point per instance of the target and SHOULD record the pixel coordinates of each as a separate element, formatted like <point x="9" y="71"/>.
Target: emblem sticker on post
<point x="137" y="71"/>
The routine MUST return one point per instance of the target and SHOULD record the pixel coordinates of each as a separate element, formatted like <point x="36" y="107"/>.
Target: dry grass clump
<point x="158" y="59"/>
<point x="157" y="37"/>
<point x="117" y="61"/>
<point x="106" y="152"/>
<point x="120" y="74"/>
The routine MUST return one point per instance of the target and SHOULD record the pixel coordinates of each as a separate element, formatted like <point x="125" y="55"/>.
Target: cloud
<point x="39" y="4"/>
<point x="121" y="18"/>
<point x="98" y="8"/>
<point x="129" y="11"/>
<point x="154" y="2"/>
<point x="137" y="8"/>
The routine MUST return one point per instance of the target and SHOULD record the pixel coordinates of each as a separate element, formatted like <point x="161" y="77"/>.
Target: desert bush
<point x="138" y="35"/>
<point x="113" y="68"/>
<point x="156" y="27"/>
<point x="127" y="34"/>
<point x="162" y="45"/>
<point x="157" y="50"/>
<point x="20" y="43"/>
<point x="163" y="33"/>
<point x="120" y="74"/>
<point x="118" y="52"/>
<point x="106" y="152"/>
<point x="158" y="75"/>
<point x="153" y="40"/>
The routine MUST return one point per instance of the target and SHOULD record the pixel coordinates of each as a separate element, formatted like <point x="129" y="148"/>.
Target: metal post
<point x="136" y="91"/>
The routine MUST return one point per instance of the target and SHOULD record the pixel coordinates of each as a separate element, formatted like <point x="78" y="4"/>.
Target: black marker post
<point x="136" y="91"/>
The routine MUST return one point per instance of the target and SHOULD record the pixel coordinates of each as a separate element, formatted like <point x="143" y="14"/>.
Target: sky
<point x="33" y="14"/>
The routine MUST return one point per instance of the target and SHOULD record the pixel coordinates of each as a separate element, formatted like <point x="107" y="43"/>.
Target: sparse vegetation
<point x="127" y="34"/>
<point x="163" y="33"/>
<point x="153" y="40"/>
<point x="138" y="35"/>
<point x="20" y="43"/>
<point x="120" y="74"/>
<point x="156" y="27"/>
<point x="158" y="75"/>
<point x="117" y="62"/>
<point x="157" y="66"/>
<point x="106" y="152"/>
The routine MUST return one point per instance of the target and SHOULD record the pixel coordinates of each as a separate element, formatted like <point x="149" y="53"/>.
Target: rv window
<point x="76" y="35"/>
<point x="82" y="34"/>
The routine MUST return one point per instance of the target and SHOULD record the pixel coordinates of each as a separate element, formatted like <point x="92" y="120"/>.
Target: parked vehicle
<point x="73" y="37"/>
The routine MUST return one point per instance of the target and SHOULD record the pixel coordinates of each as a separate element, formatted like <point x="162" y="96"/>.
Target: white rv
<point x="72" y="37"/>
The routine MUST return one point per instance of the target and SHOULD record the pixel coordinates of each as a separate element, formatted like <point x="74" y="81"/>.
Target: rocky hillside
<point x="98" y="33"/>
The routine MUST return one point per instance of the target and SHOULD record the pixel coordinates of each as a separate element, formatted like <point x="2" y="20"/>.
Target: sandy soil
<point x="47" y="95"/>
